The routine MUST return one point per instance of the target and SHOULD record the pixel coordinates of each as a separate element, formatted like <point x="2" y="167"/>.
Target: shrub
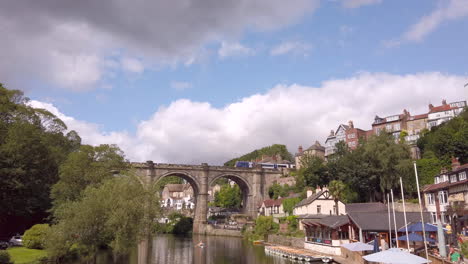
<point x="35" y="236"/>
<point x="5" y="257"/>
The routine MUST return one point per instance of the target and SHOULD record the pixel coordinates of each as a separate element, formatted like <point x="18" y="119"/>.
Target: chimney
<point x="332" y="133"/>
<point x="309" y="192"/>
<point x="317" y="143"/>
<point x="350" y="124"/>
<point x="443" y="170"/>
<point x="299" y="149"/>
<point x="444" y="102"/>
<point x="318" y="189"/>
<point x="431" y="106"/>
<point x="455" y="164"/>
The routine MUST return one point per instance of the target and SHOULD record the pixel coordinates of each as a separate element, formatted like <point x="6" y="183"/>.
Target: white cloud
<point x="66" y="44"/>
<point x="359" y="3"/>
<point x="132" y="65"/>
<point x="233" y="49"/>
<point x="180" y="86"/>
<point x="446" y="11"/>
<point x="293" y="47"/>
<point x="195" y="132"/>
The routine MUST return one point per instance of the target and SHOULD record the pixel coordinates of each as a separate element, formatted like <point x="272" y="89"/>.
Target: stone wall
<point x="410" y="207"/>
<point x="286" y="241"/>
<point x="209" y="230"/>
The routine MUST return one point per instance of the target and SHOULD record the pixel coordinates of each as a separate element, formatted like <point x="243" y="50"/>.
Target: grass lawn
<point x="22" y="255"/>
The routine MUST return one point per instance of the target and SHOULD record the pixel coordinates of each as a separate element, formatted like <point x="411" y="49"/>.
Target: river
<point x="169" y="249"/>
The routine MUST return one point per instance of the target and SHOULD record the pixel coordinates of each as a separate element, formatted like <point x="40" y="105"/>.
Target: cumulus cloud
<point x="359" y="3"/>
<point x="233" y="49"/>
<point x="180" y="86"/>
<point x="292" y="47"/>
<point x="446" y="11"/>
<point x="193" y="132"/>
<point x="40" y="37"/>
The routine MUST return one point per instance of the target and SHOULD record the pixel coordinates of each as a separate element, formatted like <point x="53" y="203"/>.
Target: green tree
<point x="447" y="140"/>
<point x="275" y="191"/>
<point x="289" y="203"/>
<point x="429" y="166"/>
<point x="337" y="190"/>
<point x="33" y="144"/>
<point x="35" y="236"/>
<point x="228" y="197"/>
<point x="268" y="151"/>
<point x="87" y="166"/>
<point x="117" y="213"/>
<point x="313" y="172"/>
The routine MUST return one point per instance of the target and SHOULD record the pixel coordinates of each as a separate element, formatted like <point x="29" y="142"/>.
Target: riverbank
<point x="23" y="255"/>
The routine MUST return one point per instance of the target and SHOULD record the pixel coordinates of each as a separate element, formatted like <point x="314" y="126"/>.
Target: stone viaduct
<point x="253" y="182"/>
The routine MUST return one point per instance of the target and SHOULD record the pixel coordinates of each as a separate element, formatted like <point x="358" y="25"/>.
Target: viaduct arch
<point x="253" y="182"/>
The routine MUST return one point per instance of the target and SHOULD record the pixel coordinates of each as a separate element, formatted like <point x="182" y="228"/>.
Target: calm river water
<point x="168" y="249"/>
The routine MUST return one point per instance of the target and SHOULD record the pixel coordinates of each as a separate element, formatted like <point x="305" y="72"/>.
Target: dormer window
<point x="446" y="178"/>
<point x="453" y="178"/>
<point x="436" y="179"/>
<point x="462" y="176"/>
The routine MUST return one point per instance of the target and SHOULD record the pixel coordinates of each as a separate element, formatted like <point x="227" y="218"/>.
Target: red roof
<point x="271" y="202"/>
<point x="441" y="108"/>
<point x="419" y="116"/>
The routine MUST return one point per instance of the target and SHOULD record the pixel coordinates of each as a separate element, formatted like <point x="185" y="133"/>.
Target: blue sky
<point x="122" y="73"/>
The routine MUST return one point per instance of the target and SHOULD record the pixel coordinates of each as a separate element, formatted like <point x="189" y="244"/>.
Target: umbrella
<point x="358" y="246"/>
<point x="416" y="237"/>
<point x="395" y="256"/>
<point x="376" y="245"/>
<point x="417" y="227"/>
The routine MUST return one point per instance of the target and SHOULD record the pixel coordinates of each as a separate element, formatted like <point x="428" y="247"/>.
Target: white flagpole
<point x="404" y="213"/>
<point x="420" y="209"/>
<point x="389" y="222"/>
<point x="394" y="219"/>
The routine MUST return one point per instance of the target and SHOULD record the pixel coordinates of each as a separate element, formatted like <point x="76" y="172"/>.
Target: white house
<point x="177" y="196"/>
<point x="272" y="208"/>
<point x="440" y="114"/>
<point x="316" y="206"/>
<point x="335" y="137"/>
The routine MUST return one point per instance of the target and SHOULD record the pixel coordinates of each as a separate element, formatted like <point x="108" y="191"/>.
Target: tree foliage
<point x="88" y="166"/>
<point x="337" y="190"/>
<point x="366" y="173"/>
<point x="289" y="203"/>
<point x="447" y="140"/>
<point x="116" y="213"/>
<point x="276" y="190"/>
<point x="268" y="151"/>
<point x="228" y="197"/>
<point x="36" y="236"/>
<point x="33" y="144"/>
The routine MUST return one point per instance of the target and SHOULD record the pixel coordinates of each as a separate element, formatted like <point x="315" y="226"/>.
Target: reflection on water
<point x="168" y="249"/>
<point x="218" y="250"/>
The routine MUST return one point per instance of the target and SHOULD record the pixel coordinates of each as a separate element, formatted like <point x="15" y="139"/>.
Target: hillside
<point x="268" y="151"/>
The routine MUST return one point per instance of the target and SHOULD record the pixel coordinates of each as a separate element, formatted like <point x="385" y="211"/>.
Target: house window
<point x="388" y="128"/>
<point x="430" y="198"/>
<point x="276" y="209"/>
<point x="433" y="217"/>
<point x="446" y="178"/>
<point x="351" y="135"/>
<point x="453" y="178"/>
<point x="462" y="176"/>
<point x="443" y="197"/>
<point x="319" y="209"/>
<point x="334" y="209"/>
<point x="396" y="127"/>
<point x="436" y="180"/>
